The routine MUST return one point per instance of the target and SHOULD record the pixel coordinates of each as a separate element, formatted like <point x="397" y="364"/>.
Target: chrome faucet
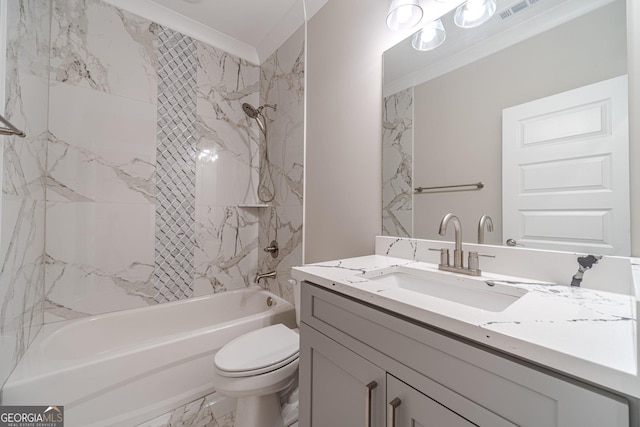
<point x="457" y="227"/>
<point x="269" y="275"/>
<point x="473" y="266"/>
<point x="484" y="220"/>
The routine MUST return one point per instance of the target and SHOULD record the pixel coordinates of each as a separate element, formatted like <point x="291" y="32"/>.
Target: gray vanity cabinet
<point x="426" y="377"/>
<point x="344" y="388"/>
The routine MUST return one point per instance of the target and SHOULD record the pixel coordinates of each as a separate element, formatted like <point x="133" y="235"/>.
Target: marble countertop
<point x="584" y="333"/>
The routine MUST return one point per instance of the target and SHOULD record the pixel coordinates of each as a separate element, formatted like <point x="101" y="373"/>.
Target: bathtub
<point x="127" y="367"/>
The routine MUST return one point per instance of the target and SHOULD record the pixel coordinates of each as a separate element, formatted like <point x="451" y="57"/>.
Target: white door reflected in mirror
<point x="565" y="170"/>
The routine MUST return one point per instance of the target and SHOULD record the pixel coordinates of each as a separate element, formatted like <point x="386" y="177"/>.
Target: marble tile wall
<point x="101" y="168"/>
<point x="226" y="253"/>
<point x="282" y="84"/>
<point x="22" y="231"/>
<point x="109" y="205"/>
<point x="397" y="164"/>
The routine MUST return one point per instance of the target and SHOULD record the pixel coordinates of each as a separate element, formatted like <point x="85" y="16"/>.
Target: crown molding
<point x="185" y="25"/>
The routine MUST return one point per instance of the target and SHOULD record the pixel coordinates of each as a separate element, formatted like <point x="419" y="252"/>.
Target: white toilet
<point x="254" y="368"/>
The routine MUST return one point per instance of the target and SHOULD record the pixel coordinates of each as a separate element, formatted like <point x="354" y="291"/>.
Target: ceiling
<point x="250" y="29"/>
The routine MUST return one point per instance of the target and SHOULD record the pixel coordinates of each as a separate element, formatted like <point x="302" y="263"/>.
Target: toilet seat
<point x="258" y="352"/>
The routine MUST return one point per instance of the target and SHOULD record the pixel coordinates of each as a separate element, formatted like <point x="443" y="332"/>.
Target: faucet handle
<point x="444" y="255"/>
<point x="474" y="261"/>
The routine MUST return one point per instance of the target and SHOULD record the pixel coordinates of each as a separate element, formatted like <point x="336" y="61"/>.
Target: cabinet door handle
<point x="367" y="403"/>
<point x="391" y="412"/>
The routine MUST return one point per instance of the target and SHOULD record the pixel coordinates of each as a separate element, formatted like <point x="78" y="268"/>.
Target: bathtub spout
<point x="269" y="275"/>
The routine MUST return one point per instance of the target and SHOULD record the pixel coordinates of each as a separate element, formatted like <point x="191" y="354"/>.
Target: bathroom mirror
<point x="442" y="109"/>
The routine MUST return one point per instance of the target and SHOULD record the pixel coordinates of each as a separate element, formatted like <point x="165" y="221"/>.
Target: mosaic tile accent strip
<point x="175" y="166"/>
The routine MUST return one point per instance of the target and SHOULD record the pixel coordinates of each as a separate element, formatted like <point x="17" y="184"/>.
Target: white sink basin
<point x="471" y="291"/>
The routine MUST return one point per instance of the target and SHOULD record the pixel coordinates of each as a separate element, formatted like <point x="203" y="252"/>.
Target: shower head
<point x="250" y="110"/>
<point x="255" y="113"/>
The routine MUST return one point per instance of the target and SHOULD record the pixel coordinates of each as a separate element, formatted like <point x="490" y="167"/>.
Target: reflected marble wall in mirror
<point x="442" y="109"/>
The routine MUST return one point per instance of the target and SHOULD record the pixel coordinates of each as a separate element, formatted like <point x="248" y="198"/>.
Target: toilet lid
<point x="258" y="351"/>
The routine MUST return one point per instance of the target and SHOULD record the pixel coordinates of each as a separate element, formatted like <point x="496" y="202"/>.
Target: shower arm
<point x="273" y="107"/>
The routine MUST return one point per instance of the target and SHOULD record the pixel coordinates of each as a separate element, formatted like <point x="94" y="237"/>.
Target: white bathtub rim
<point x="60" y="325"/>
<point x="50" y="330"/>
<point x="110" y="368"/>
<point x="62" y="365"/>
<point x="24" y="371"/>
<point x="30" y="369"/>
<point x="154" y="307"/>
<point x="154" y="341"/>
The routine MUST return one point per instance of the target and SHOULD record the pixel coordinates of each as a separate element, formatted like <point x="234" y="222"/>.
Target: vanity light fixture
<point x="404" y="14"/>
<point x="430" y="36"/>
<point x="474" y="13"/>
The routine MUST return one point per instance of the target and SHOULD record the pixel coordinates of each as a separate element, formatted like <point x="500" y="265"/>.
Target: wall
<point x="343" y="77"/>
<point x="150" y="158"/>
<point x="345" y="41"/>
<point x="282" y="84"/>
<point x="101" y="160"/>
<point x="23" y="190"/>
<point x="138" y="208"/>
<point x="458" y="137"/>
<point x="633" y="54"/>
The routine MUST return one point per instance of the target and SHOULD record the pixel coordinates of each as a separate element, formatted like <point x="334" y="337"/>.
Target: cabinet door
<point x="407" y="407"/>
<point x="337" y="387"/>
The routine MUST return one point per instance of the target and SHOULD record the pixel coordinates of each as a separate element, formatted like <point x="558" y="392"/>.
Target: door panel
<point x="565" y="171"/>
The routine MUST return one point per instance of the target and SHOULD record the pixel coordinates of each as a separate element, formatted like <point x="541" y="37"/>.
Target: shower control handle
<point x="273" y="249"/>
<point x="367" y="403"/>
